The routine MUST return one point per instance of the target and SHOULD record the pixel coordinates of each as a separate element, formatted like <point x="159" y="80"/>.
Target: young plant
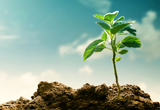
<point x="111" y="30"/>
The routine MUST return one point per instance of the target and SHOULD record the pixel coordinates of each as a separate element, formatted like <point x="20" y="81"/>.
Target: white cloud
<point x="101" y="6"/>
<point x="86" y="70"/>
<point x="153" y="91"/>
<point x="149" y="36"/>
<point x="7" y="37"/>
<point x="80" y="48"/>
<point x="66" y="49"/>
<point x="24" y="85"/>
<point x="5" y="30"/>
<point x="49" y="75"/>
<point x="15" y="35"/>
<point x="70" y="48"/>
<point x="143" y="85"/>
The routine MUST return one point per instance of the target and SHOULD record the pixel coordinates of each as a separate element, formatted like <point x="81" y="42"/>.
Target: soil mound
<point x="57" y="96"/>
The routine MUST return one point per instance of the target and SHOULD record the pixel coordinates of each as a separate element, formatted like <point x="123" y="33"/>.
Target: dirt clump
<point x="57" y="96"/>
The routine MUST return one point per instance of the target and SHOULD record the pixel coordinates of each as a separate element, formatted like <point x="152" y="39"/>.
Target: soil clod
<point x="57" y="96"/>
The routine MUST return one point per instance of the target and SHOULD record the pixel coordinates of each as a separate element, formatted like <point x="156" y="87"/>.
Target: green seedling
<point x="113" y="28"/>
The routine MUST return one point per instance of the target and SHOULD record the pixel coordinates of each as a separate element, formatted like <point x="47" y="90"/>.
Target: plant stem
<point x="115" y="73"/>
<point x="114" y="64"/>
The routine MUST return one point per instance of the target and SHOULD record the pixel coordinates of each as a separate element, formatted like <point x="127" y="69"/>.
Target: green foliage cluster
<point x="113" y="28"/>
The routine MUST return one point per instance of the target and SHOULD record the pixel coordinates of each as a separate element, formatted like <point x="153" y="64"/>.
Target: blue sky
<point x="44" y="40"/>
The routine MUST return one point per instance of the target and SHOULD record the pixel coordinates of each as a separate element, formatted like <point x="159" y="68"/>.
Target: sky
<point x="44" y="40"/>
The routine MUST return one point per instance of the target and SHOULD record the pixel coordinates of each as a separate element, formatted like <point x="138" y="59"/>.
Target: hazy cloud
<point x="85" y="70"/>
<point x="49" y="75"/>
<point x="149" y="36"/>
<point x="24" y="85"/>
<point x="80" y="48"/>
<point x="101" y="6"/>
<point x="152" y="90"/>
<point x="7" y="31"/>
<point x="143" y="85"/>
<point x="154" y="93"/>
<point x="7" y="37"/>
<point x="71" y="48"/>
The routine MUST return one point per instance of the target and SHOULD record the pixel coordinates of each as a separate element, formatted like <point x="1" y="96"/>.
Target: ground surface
<point x="57" y="96"/>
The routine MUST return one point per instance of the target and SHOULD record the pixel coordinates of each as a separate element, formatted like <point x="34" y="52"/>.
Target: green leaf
<point x="132" y="31"/>
<point x="118" y="23"/>
<point x="119" y="45"/>
<point x="100" y="47"/>
<point x="131" y="41"/>
<point x="104" y="36"/>
<point x="123" y="51"/>
<point x="104" y="26"/>
<point x="91" y="48"/>
<point x="110" y="16"/>
<point x="120" y="18"/>
<point x="117" y="58"/>
<point x="123" y="34"/>
<point x="118" y="26"/>
<point x="99" y="16"/>
<point x="129" y="29"/>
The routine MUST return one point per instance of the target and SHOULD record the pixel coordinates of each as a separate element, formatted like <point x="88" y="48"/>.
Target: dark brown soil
<point x="57" y="96"/>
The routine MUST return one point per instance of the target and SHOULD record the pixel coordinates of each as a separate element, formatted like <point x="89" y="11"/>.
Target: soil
<point x="57" y="96"/>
